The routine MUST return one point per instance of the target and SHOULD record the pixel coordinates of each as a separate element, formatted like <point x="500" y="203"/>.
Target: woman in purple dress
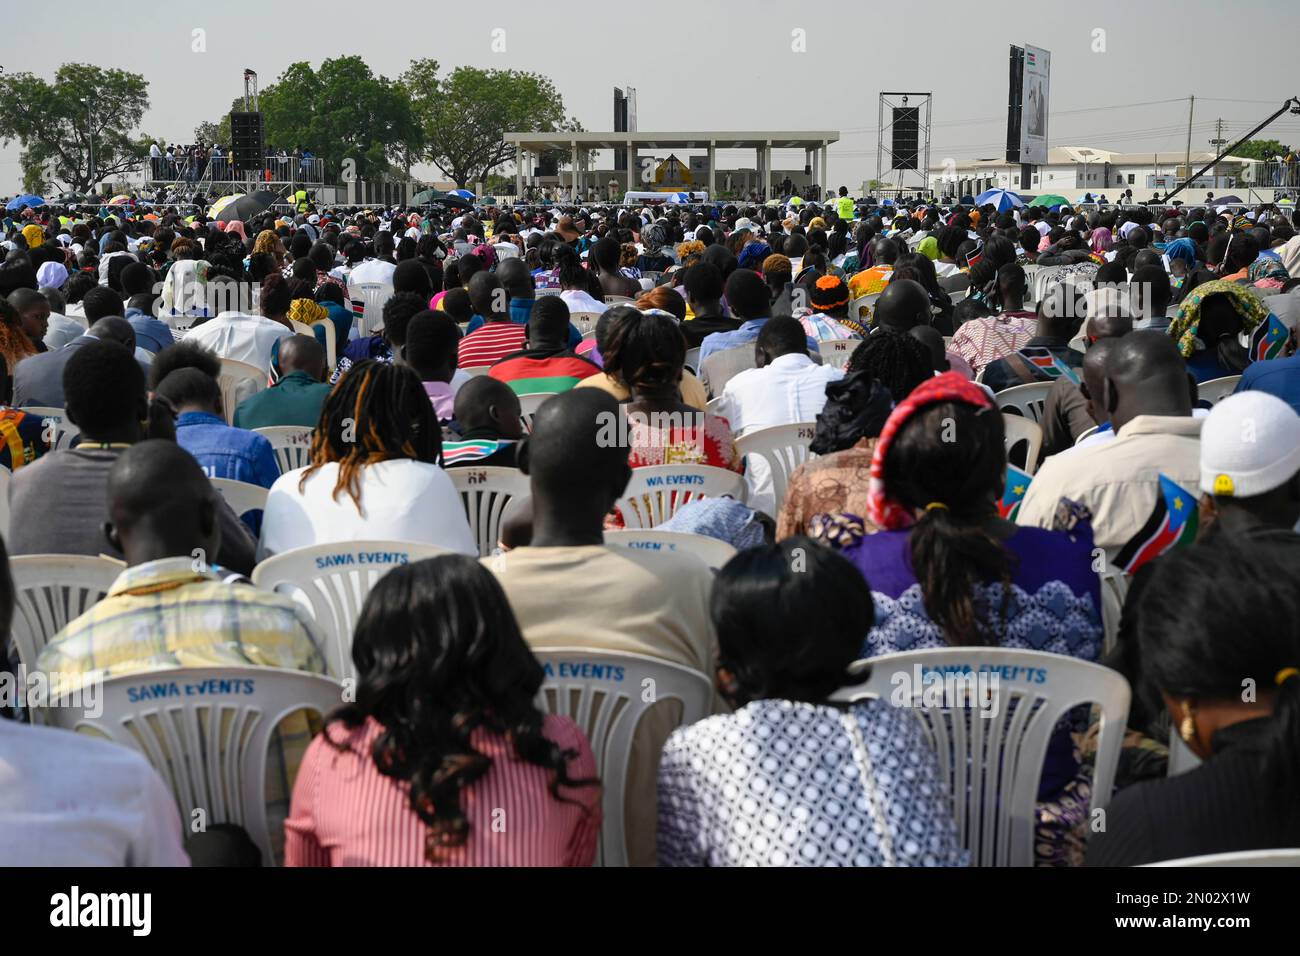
<point x="947" y="568"/>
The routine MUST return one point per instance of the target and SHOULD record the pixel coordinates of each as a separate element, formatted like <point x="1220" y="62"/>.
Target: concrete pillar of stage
<point x="520" y="156"/>
<point x="823" y="182"/>
<point x="713" y="156"/>
<point x="573" y="178"/>
<point x="632" y="164"/>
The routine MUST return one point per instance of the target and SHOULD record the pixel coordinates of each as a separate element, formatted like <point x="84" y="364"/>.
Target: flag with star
<point x="1268" y="341"/>
<point x="1173" y="523"/>
<point x="1013" y="492"/>
<point x="1047" y="365"/>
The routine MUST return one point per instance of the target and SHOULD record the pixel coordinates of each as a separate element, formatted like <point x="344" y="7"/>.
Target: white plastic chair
<point x="655" y="492"/>
<point x="836" y="352"/>
<point x="1019" y="430"/>
<point x="712" y="551"/>
<point x="368" y="300"/>
<point x="1114" y="590"/>
<point x="238" y="381"/>
<point x="783" y="447"/>
<point x="1217" y="389"/>
<point x="604" y="694"/>
<point x="292" y="444"/>
<point x="206" y="730"/>
<point x="993" y="763"/>
<point x="618" y="300"/>
<point x="242" y="496"/>
<point x="485" y="492"/>
<point x="1087" y="433"/>
<point x="475" y="370"/>
<point x="584" y="322"/>
<point x="1027" y="400"/>
<point x="693" y="360"/>
<point x="52" y="589"/>
<point x="65" y="430"/>
<point x="1181" y="758"/>
<point x="331" y="581"/>
<point x="528" y="406"/>
<point x="863" y="308"/>
<point x="1289" y="857"/>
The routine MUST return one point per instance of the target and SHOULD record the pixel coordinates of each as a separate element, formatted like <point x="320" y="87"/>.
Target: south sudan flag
<point x="1013" y="492"/>
<point x="1047" y="365"/>
<point x="1268" y="341"/>
<point x="1173" y="522"/>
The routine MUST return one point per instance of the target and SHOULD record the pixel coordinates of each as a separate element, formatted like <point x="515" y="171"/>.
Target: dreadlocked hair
<point x="951" y="455"/>
<point x="897" y="360"/>
<point x="377" y="412"/>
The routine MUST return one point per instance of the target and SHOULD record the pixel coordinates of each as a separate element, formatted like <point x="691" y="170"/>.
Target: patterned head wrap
<point x="829" y="292"/>
<point x="1266" y="267"/>
<point x="886" y="512"/>
<point x="307" y="312"/>
<point x="1101" y="240"/>
<point x="653" y="238"/>
<point x="753" y="255"/>
<point x="1184" y="249"/>
<point x="34" y="235"/>
<point x="1184" y="327"/>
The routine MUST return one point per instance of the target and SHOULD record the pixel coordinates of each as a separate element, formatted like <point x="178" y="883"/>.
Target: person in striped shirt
<point x="476" y="775"/>
<point x="498" y="336"/>
<point x="487" y="412"/>
<point x="546" y="365"/>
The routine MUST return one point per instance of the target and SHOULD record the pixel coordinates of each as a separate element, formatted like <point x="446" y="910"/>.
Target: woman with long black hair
<point x="1225" y="663"/>
<point x="444" y="758"/>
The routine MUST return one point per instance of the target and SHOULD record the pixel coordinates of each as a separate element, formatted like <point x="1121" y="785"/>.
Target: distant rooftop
<point x="1071" y="155"/>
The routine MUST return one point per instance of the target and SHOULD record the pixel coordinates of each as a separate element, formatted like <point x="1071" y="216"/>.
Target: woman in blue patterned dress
<point x="789" y="778"/>
<point x="947" y="568"/>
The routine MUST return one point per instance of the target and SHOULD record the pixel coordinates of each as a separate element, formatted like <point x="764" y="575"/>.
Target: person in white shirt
<point x="374" y="472"/>
<point x="787" y="386"/>
<point x="68" y="799"/>
<point x="242" y="337"/>
<point x="380" y="268"/>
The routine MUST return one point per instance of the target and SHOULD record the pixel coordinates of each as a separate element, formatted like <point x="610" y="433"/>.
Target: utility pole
<point x="1217" y="142"/>
<point x="1187" y="164"/>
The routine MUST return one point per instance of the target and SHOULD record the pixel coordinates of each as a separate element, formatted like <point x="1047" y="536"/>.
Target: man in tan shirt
<point x="568" y="589"/>
<point x="1147" y="394"/>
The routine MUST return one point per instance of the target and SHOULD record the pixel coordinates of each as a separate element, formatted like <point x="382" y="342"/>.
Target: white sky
<point x="724" y="65"/>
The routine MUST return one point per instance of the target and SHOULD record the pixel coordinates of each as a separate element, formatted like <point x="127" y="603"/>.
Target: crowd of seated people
<point x="1146" y="356"/>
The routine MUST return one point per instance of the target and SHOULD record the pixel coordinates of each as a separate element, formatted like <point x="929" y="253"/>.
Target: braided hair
<point x="377" y="412"/>
<point x="895" y="359"/>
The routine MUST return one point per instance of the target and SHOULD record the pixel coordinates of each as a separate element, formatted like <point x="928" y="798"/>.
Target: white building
<point x="1072" y="171"/>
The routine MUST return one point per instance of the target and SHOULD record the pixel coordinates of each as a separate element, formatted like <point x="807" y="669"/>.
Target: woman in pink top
<point x="444" y="759"/>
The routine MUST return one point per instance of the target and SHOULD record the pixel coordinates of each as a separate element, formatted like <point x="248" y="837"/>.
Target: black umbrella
<point x="246" y="207"/>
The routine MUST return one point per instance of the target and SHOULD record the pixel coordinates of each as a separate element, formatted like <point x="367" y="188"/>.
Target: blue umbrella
<point x="462" y="193"/>
<point x="1001" y="199"/>
<point x="22" y="202"/>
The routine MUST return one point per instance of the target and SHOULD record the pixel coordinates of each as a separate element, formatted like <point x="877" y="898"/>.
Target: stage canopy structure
<point x="813" y="144"/>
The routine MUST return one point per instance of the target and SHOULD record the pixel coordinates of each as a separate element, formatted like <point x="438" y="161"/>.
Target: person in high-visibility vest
<point x="845" y="207"/>
<point x="300" y="198"/>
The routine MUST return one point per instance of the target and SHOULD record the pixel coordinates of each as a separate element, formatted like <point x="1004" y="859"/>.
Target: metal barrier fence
<point x="219" y="169"/>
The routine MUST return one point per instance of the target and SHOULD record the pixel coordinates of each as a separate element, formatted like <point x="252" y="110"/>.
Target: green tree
<point x="1264" y="149"/>
<point x="56" y="129"/>
<point x="340" y="111"/>
<point x="464" y="115"/>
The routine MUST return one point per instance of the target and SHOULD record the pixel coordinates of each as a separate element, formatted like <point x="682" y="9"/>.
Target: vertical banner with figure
<point x="1035" y="90"/>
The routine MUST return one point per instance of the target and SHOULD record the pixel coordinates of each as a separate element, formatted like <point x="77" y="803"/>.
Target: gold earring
<point x="1187" y="729"/>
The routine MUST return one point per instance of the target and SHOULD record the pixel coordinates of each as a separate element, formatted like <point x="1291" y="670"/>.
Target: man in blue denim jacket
<point x="221" y="450"/>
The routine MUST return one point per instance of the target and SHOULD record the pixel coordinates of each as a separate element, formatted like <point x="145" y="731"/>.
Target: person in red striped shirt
<point x="498" y="337"/>
<point x="546" y="365"/>
<point x="444" y="759"/>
